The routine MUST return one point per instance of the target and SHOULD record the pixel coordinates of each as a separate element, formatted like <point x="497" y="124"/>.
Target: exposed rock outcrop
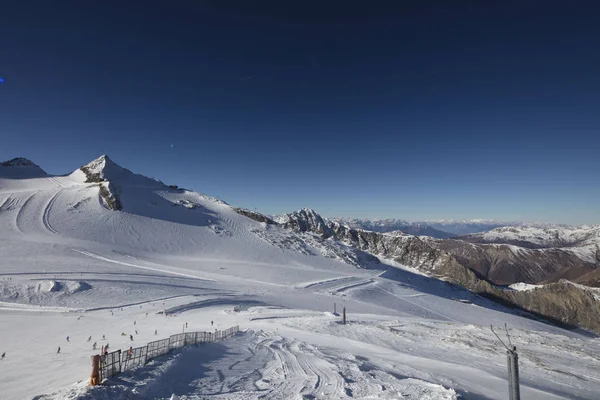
<point x="254" y="215"/>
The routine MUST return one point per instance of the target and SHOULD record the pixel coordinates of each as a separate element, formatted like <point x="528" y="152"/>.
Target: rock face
<point x="306" y="220"/>
<point x="254" y="215"/>
<point x="508" y="264"/>
<point x="463" y="264"/>
<point x="99" y="171"/>
<point x="18" y="162"/>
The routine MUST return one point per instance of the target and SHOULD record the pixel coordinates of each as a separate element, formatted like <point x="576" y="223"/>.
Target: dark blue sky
<point x="400" y="109"/>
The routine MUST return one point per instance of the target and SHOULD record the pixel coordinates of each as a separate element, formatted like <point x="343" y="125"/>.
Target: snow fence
<point x="114" y="363"/>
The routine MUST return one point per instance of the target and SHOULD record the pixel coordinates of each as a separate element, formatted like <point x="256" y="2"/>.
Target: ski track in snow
<point x="443" y="317"/>
<point x="86" y="253"/>
<point x="20" y="213"/>
<point x="264" y="365"/>
<point x="354" y="285"/>
<point x="324" y="282"/>
<point x="46" y="214"/>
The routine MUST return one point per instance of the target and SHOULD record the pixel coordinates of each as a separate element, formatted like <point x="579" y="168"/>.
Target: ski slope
<point x="68" y="265"/>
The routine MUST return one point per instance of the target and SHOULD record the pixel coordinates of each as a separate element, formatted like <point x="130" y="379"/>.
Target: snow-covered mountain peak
<point x="305" y="219"/>
<point x="18" y="162"/>
<point x="20" y="168"/>
<point x="104" y="169"/>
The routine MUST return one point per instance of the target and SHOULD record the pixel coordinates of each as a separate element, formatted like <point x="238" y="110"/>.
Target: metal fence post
<point x="344" y="316"/>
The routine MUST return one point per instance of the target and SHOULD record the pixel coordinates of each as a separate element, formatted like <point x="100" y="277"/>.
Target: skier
<point x="134" y="322"/>
<point x="186" y="324"/>
<point x="67" y="338"/>
<point x="212" y="323"/>
<point x="136" y="332"/>
<point x="156" y="331"/>
<point x="131" y="337"/>
<point x="94" y="346"/>
<point x="146" y="314"/>
<point x="58" y="351"/>
<point x="103" y="338"/>
<point x="3" y="355"/>
<point x="90" y="339"/>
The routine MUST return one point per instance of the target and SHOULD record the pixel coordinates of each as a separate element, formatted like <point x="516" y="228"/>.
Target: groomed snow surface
<point x="70" y="267"/>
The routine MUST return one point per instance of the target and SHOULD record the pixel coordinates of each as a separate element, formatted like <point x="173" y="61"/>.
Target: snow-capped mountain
<point x="390" y="225"/>
<point x="535" y="237"/>
<point x="440" y="228"/>
<point x="20" y="168"/>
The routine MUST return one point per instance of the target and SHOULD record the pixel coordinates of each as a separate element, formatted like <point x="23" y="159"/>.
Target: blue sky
<point x="427" y="111"/>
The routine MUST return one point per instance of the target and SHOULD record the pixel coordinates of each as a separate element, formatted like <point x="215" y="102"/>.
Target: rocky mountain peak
<point x="306" y="220"/>
<point x="19" y="162"/>
<point x="20" y="168"/>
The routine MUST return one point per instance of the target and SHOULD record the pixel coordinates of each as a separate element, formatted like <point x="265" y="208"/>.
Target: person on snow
<point x="103" y="338"/>
<point x="186" y="324"/>
<point x="94" y="346"/>
<point x="131" y="337"/>
<point x="58" y="351"/>
<point x="156" y="331"/>
<point x="134" y="322"/>
<point x="3" y="355"/>
<point x="90" y="339"/>
<point x="212" y="323"/>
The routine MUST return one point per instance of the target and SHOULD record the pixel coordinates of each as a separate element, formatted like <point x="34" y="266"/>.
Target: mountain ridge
<point x="158" y="218"/>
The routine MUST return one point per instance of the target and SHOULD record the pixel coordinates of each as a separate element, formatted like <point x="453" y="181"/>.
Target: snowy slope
<point x="68" y="263"/>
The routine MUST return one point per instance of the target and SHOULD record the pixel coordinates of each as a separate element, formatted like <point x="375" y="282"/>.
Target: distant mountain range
<point x="391" y="225"/>
<point x="441" y="229"/>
